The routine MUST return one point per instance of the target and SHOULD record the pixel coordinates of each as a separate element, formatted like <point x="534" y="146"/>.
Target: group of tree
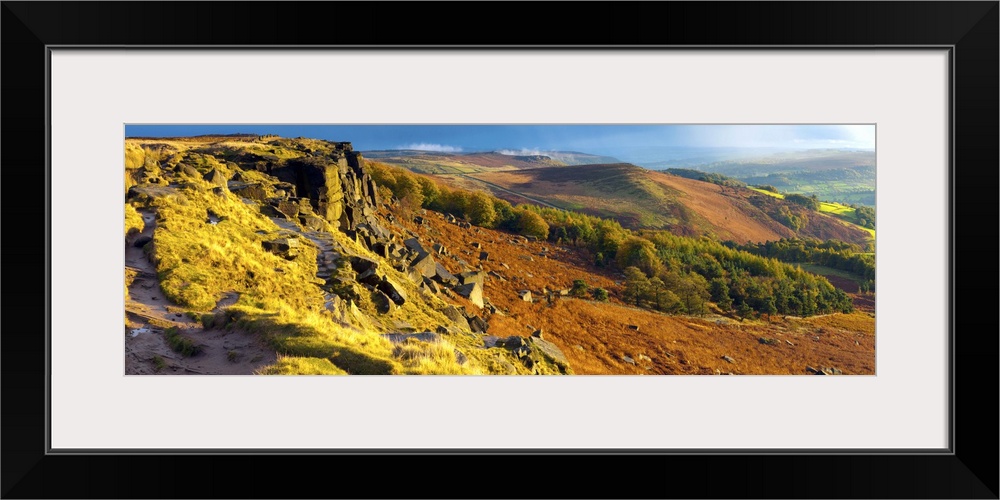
<point x="714" y="178"/>
<point x="835" y="254"/>
<point x="865" y="216"/>
<point x="480" y="208"/>
<point x="663" y="271"/>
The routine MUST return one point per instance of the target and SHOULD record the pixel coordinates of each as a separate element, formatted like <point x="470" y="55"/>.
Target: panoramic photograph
<point x="594" y="249"/>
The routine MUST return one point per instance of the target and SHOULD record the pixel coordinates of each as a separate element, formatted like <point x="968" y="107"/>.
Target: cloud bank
<point x="437" y="148"/>
<point x="523" y="152"/>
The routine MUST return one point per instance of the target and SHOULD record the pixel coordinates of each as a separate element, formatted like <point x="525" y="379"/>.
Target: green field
<point x="769" y="193"/>
<point x="838" y="210"/>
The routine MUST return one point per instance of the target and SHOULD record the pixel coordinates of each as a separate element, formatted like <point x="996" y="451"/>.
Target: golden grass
<point x="133" y="221"/>
<point x="858" y="321"/>
<point x="291" y="365"/>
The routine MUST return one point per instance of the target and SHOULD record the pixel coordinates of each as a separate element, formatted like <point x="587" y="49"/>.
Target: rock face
<point x="337" y="186"/>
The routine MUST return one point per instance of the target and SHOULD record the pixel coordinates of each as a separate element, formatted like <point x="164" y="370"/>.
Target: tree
<point x="504" y="215"/>
<point x="409" y="192"/>
<point x="579" y="289"/>
<point x="636" y="285"/>
<point x="531" y="224"/>
<point x="769" y="308"/>
<point x="639" y="252"/>
<point x="429" y="189"/>
<point x="481" y="212"/>
<point x="599" y="294"/>
<point x="743" y="310"/>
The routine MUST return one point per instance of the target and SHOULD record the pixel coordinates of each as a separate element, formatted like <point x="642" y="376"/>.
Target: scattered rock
<point x="425" y="265"/>
<point x="472" y="291"/>
<point x="727" y="358"/>
<point x="383" y="304"/>
<point x="643" y="357"/>
<point x="415" y="246"/>
<point x="628" y="360"/>
<point x="767" y="341"/>
<point x="216" y="178"/>
<point x="401" y="338"/>
<point x="141" y="241"/>
<point x="443" y="276"/>
<point x="537" y="333"/>
<point x="524" y="295"/>
<point x="484" y="256"/>
<point x="478" y="325"/>
<point x="286" y="248"/>
<point x="471" y="277"/>
<point x="392" y="290"/>
<point x="633" y="327"/>
<point x="456" y="316"/>
<point x="552" y="352"/>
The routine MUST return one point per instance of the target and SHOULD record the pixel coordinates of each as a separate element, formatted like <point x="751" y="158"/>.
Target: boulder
<point x="361" y="264"/>
<point x="371" y="277"/>
<point x="383" y="304"/>
<point x="286" y="248"/>
<point x="471" y="277"/>
<point x="472" y="291"/>
<point x="414" y="245"/>
<point x="141" y="241"/>
<point x="252" y="190"/>
<point x="513" y="342"/>
<point x="290" y="209"/>
<point x="443" y="276"/>
<point x="402" y="338"/>
<point x="477" y="324"/>
<point x="430" y="286"/>
<point x="392" y="290"/>
<point x="551" y="352"/>
<point x="215" y="177"/>
<point x="456" y="316"/>
<point x="425" y="265"/>
<point x="311" y="222"/>
<point x="440" y="249"/>
<point x="524" y="295"/>
<point x="537" y="333"/>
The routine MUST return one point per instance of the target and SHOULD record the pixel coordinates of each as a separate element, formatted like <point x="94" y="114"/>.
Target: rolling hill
<point x="837" y="175"/>
<point x="461" y="163"/>
<point x="640" y="198"/>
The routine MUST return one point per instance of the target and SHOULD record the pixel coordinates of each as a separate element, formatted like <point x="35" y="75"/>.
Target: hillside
<point x="286" y="256"/>
<point x="640" y="198"/>
<point x="460" y="163"/>
<point x="836" y="175"/>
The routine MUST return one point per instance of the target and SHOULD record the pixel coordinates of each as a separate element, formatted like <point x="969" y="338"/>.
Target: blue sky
<point x="614" y="140"/>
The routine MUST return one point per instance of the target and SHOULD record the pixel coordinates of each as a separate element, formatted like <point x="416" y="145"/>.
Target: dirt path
<point x="148" y="314"/>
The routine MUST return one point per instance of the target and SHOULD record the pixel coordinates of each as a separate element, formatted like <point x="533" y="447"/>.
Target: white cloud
<point x="437" y="148"/>
<point x="523" y="152"/>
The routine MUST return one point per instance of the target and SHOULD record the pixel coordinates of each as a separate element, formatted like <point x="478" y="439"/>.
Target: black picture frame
<point x="968" y="470"/>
